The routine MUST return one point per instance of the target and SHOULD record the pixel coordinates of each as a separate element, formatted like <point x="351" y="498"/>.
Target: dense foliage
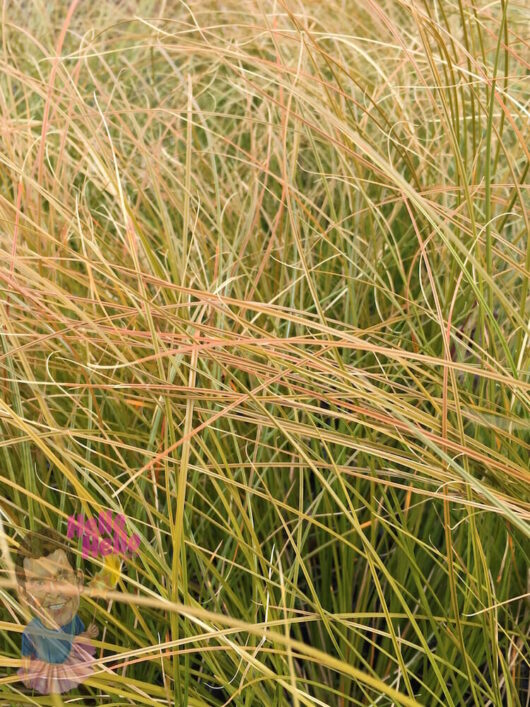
<point x="264" y="291"/>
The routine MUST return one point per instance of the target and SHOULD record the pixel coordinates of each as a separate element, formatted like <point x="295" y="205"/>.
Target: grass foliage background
<point x="264" y="290"/>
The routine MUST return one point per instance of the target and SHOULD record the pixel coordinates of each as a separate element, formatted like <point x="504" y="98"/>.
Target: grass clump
<point x="264" y="290"/>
